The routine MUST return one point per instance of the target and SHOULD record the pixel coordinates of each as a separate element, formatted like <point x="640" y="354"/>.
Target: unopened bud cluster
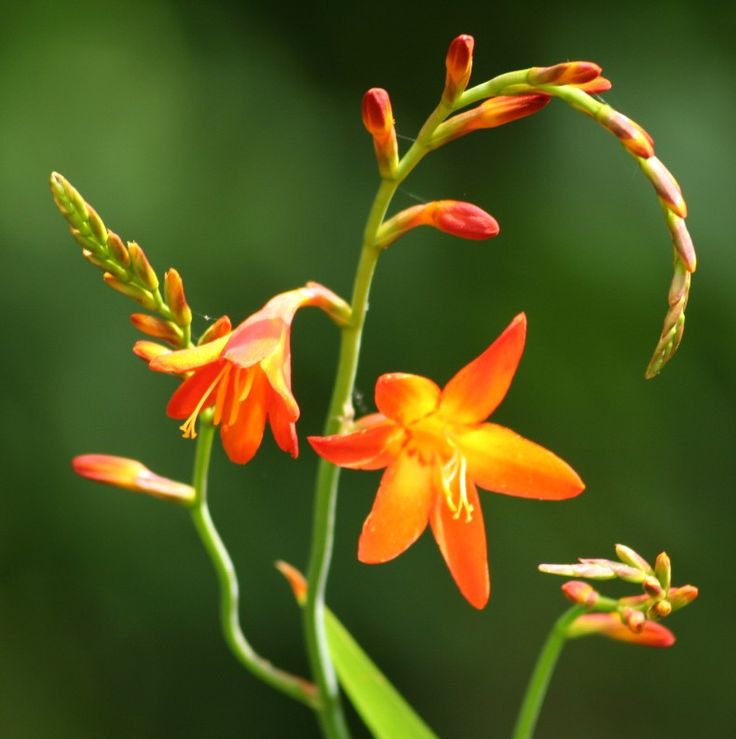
<point x="126" y="268"/>
<point x="639" y="613"/>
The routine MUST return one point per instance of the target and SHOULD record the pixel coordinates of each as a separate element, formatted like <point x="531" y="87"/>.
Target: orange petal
<point x="368" y="449"/>
<point x="406" y="398"/>
<point x="277" y="366"/>
<point x="504" y="462"/>
<point x="477" y="389"/>
<point x="189" y="359"/>
<point x="282" y="426"/>
<point x="253" y="341"/>
<point x="463" y="545"/>
<point x="242" y="439"/>
<point x="400" y="510"/>
<point x="188" y="395"/>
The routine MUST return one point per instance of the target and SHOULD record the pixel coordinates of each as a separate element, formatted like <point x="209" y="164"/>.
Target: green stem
<point x="537" y="688"/>
<point x="339" y="417"/>
<point x="293" y="686"/>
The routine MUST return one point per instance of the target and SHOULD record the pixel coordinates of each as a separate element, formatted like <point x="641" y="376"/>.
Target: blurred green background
<point x="226" y="138"/>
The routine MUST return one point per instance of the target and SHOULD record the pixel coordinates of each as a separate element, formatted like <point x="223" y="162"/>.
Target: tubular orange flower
<point x="436" y="449"/>
<point x="246" y="375"/>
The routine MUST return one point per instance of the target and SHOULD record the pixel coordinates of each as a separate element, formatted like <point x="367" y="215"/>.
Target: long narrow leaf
<point x="385" y="712"/>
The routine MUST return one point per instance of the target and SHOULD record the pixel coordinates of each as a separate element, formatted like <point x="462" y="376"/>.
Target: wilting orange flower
<point x="436" y="449"/>
<point x="246" y="375"/>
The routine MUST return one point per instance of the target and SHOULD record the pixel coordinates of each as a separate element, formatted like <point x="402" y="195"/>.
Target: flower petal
<point x="478" y="388"/>
<point x="463" y="545"/>
<point x="277" y="366"/>
<point x="406" y="398"/>
<point x="400" y="511"/>
<point x="504" y="462"/>
<point x="186" y="360"/>
<point x="368" y="449"/>
<point x="282" y="425"/>
<point x="189" y="394"/>
<point x="242" y="439"/>
<point x="253" y="341"/>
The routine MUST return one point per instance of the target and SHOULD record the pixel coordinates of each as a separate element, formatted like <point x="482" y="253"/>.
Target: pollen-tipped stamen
<point x="189" y="427"/>
<point x="457" y="467"/>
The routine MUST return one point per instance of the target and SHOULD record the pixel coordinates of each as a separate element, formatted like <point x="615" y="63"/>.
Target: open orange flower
<point x="246" y="375"/>
<point x="436" y="449"/>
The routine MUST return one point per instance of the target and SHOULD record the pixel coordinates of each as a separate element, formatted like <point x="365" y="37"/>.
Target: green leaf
<point x="379" y="704"/>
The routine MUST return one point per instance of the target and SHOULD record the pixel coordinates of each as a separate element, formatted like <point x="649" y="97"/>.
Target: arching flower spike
<point x="246" y="375"/>
<point x="436" y="449"/>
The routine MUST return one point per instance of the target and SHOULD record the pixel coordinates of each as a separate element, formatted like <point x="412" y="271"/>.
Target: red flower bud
<point x="463" y="219"/>
<point x="581" y="592"/>
<point x="567" y="73"/>
<point x="378" y="119"/>
<point x="459" y="64"/>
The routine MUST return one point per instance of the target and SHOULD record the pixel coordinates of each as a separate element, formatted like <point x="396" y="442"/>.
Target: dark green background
<point x="227" y="140"/>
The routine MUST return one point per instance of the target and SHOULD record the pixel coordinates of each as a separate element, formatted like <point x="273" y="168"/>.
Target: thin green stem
<point x="293" y="686"/>
<point x="339" y="417"/>
<point x="539" y="681"/>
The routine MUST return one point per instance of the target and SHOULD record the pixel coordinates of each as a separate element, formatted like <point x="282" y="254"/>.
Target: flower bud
<point x="157" y="327"/>
<point x="663" y="570"/>
<point x="634" y="138"/>
<point x="149" y="350"/>
<point x="459" y="64"/>
<point x="378" y="119"/>
<point x="567" y="73"/>
<point x="662" y="608"/>
<point x="118" y="252"/>
<point x="635" y="620"/>
<point x="131" y="475"/>
<point x="581" y="592"/>
<point x="176" y="299"/>
<point x="665" y="185"/>
<point x="221" y="327"/>
<point x="610" y="625"/>
<point x="139" y="294"/>
<point x="295" y="578"/>
<point x="653" y="587"/>
<point x="630" y="557"/>
<point x="489" y="114"/>
<point x="681" y="240"/>
<point x="141" y="266"/>
<point x="682" y="596"/>
<point x="596" y="86"/>
<point x="584" y="569"/>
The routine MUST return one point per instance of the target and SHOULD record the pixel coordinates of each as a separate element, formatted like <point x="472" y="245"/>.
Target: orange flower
<point x="436" y="449"/>
<point x="246" y="375"/>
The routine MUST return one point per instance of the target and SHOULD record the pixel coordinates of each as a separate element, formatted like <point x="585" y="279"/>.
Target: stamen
<point x="189" y="426"/>
<point x="456" y="467"/>
<point x="221" y="396"/>
<point x="241" y="390"/>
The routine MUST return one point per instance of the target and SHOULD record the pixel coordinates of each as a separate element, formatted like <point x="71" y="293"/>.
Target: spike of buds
<point x="567" y="73"/>
<point x="378" y="118"/>
<point x="130" y="474"/>
<point x="491" y="113"/>
<point x="221" y="327"/>
<point x="157" y="327"/>
<point x="295" y="578"/>
<point x="459" y="64"/>
<point x="455" y="217"/>
<point x="141" y="266"/>
<point x="176" y="299"/>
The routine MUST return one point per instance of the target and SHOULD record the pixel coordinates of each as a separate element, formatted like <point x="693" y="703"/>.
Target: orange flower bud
<point x="131" y="475"/>
<point x="492" y="113"/>
<point x="610" y="625"/>
<point x="141" y="266"/>
<point x="221" y="327"/>
<point x="459" y="64"/>
<point x="665" y="185"/>
<point x="682" y="596"/>
<point x="636" y="140"/>
<point x="581" y="592"/>
<point x="455" y="217"/>
<point x="295" y="578"/>
<point x="378" y="119"/>
<point x="149" y="350"/>
<point x="567" y="73"/>
<point x="117" y="249"/>
<point x="596" y="86"/>
<point x="135" y="292"/>
<point x="176" y="299"/>
<point x="157" y="327"/>
<point x="682" y="240"/>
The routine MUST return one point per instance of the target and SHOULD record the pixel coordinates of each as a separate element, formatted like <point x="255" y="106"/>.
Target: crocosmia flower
<point x="246" y="375"/>
<point x="437" y="450"/>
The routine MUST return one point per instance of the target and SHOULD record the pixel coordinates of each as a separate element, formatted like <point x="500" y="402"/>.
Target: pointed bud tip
<point x="296" y="580"/>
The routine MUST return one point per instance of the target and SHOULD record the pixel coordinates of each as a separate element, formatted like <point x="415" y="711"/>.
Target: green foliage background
<point x="226" y="139"/>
